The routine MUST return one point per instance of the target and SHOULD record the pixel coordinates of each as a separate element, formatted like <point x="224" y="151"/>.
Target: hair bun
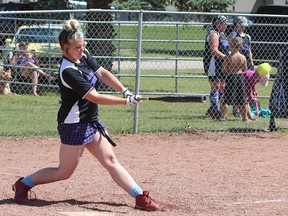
<point x="71" y="25"/>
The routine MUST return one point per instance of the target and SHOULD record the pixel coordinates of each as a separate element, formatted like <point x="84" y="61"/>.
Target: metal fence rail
<point x="151" y="52"/>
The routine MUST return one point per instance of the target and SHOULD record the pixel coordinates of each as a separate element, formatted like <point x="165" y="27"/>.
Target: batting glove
<point x="126" y="93"/>
<point x="133" y="100"/>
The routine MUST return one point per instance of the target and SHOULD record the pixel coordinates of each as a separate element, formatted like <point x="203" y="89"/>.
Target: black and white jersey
<point x="75" y="81"/>
<point x="213" y="64"/>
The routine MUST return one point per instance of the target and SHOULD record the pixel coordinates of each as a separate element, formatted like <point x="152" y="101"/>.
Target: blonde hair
<point x="237" y="42"/>
<point x="69" y="33"/>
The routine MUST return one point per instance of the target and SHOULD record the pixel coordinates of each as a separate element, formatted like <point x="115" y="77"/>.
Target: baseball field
<point x="195" y="173"/>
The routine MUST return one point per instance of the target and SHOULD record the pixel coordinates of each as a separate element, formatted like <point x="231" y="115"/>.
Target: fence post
<point x="138" y="65"/>
<point x="177" y="55"/>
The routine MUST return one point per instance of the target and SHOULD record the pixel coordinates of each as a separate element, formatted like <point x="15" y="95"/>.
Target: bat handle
<point x="144" y="98"/>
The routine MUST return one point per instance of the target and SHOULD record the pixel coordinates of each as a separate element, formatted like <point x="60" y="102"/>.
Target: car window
<point x="38" y="35"/>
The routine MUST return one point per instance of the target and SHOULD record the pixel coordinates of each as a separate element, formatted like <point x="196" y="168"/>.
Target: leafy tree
<point x="138" y="4"/>
<point x="203" y="5"/>
<point x="52" y="4"/>
<point x="103" y="30"/>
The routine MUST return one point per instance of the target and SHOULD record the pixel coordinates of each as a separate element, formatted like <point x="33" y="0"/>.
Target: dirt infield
<point x="188" y="174"/>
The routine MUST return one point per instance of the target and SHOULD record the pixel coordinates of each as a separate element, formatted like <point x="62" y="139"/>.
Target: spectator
<point x="30" y="63"/>
<point x="234" y="92"/>
<point x="252" y="78"/>
<point x="216" y="48"/>
<point x="241" y="23"/>
<point x="78" y="121"/>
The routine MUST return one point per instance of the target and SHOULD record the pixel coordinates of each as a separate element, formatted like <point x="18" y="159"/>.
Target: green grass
<point x="26" y="115"/>
<point x="164" y="38"/>
<point x="29" y="116"/>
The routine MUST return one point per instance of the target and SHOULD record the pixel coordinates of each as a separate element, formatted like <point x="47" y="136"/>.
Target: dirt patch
<point x="188" y="174"/>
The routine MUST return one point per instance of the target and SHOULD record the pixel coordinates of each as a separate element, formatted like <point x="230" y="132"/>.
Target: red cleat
<point x="145" y="202"/>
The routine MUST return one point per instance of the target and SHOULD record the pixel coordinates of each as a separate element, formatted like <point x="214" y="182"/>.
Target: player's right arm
<point x="214" y="45"/>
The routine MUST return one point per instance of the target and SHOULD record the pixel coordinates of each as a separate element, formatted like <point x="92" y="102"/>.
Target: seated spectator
<point x="30" y="63"/>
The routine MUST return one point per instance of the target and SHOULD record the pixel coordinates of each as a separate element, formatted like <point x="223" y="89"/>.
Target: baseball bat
<point x="178" y="98"/>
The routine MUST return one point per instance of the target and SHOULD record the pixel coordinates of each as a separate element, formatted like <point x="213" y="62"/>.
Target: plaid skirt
<point x="79" y="133"/>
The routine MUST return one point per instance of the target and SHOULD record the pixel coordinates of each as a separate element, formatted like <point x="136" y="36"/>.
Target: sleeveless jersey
<point x="212" y="64"/>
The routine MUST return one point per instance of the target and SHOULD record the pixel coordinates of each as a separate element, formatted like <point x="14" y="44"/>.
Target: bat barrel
<point x="178" y="98"/>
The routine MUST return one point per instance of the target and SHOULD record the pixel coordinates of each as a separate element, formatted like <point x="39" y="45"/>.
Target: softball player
<point x="78" y="124"/>
<point x="216" y="48"/>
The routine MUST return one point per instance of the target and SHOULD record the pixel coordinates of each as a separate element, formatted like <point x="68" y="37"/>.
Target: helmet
<point x="219" y="18"/>
<point x="242" y="20"/>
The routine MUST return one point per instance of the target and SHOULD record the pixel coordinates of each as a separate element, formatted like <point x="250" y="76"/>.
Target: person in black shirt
<point x="216" y="48"/>
<point x="241" y="23"/>
<point x="78" y="123"/>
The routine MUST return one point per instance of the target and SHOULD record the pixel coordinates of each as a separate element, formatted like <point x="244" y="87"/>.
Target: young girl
<point x="252" y="78"/>
<point x="78" y="123"/>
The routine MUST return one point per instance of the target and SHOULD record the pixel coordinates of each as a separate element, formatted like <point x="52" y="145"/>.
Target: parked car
<point x="43" y="40"/>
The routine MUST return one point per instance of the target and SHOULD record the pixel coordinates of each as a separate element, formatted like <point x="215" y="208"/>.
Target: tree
<point x="203" y="5"/>
<point x="139" y="5"/>
<point x="52" y="4"/>
<point x="101" y="30"/>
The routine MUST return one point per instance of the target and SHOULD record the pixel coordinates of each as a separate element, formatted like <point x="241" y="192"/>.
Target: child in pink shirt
<point x="252" y="77"/>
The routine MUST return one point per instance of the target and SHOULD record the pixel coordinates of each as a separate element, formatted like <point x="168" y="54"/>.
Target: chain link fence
<point x="150" y="52"/>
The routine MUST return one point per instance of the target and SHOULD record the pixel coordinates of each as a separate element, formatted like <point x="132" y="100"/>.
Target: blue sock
<point x="221" y="93"/>
<point x="28" y="181"/>
<point x="135" y="191"/>
<point x="214" y="101"/>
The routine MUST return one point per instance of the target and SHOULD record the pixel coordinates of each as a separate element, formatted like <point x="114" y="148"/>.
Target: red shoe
<point x="145" y="202"/>
<point x="21" y="192"/>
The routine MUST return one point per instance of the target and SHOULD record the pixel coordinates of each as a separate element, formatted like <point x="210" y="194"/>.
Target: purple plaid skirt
<point x="78" y="133"/>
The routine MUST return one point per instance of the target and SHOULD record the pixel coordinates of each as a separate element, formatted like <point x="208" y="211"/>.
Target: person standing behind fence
<point x="216" y="48"/>
<point x="78" y="124"/>
<point x="252" y="77"/>
<point x="241" y="23"/>
<point x="234" y="93"/>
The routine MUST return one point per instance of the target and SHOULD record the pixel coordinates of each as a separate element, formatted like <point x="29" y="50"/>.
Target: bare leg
<point x="33" y="76"/>
<point x="101" y="149"/>
<point x="69" y="157"/>
<point x="224" y="111"/>
<point x="37" y="69"/>
<point x="249" y="113"/>
<point x="242" y="111"/>
<point x="34" y="79"/>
